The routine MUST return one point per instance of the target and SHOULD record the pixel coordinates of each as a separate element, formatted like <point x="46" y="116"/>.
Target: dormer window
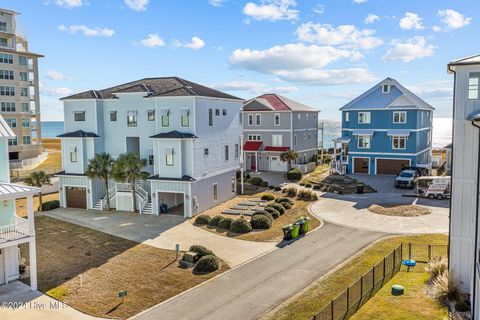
<point x="385" y="88"/>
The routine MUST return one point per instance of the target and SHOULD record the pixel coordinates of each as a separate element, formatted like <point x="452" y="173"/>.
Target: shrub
<point x="294" y="175"/>
<point x="50" y="205"/>
<point x="308" y="185"/>
<point x="215" y="221"/>
<point x="284" y="190"/>
<point x="274" y="212"/>
<point x="201" y="250"/>
<point x="278" y="207"/>
<point x="256" y="181"/>
<point x="240" y="226"/>
<point x="225" y="223"/>
<point x="207" y="263"/>
<point x="307" y="195"/>
<point x="271" y="187"/>
<point x="264" y="184"/>
<point x="445" y="289"/>
<point x="260" y="221"/>
<point x="268" y="197"/>
<point x="263" y="212"/>
<point x="277" y="188"/>
<point x="292" y="192"/>
<point x="462" y="306"/>
<point x="280" y="200"/>
<point x="202" y="219"/>
<point x="313" y="197"/>
<point x="286" y="205"/>
<point x="247" y="176"/>
<point x="302" y="184"/>
<point x="316" y="187"/>
<point x="436" y="267"/>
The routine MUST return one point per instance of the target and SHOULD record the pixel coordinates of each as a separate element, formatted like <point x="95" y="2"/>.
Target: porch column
<point x="334" y="150"/>
<point x="30" y="213"/>
<point x="256" y="161"/>
<point x="32" y="253"/>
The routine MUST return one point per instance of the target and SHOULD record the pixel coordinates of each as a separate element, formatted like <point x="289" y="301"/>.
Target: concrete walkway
<point x="164" y="231"/>
<point x="34" y="305"/>
<point x="252" y="289"/>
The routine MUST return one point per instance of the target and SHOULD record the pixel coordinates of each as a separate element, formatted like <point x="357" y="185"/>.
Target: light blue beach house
<point x="384" y="130"/>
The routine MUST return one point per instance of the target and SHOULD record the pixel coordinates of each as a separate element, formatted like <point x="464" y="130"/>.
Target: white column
<point x="30" y="213"/>
<point x="256" y="161"/>
<point x="334" y="150"/>
<point x="5" y="265"/>
<point x="32" y="252"/>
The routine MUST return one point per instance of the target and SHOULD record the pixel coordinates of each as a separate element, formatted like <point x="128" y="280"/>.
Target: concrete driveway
<point x="34" y="305"/>
<point x="252" y="289"/>
<point x="164" y="231"/>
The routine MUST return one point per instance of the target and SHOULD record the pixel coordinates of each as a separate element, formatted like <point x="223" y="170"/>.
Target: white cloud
<point x="437" y="28"/>
<point x="441" y="89"/>
<point x="409" y="50"/>
<point x="371" y="18"/>
<point x="359" y="1"/>
<point x="195" y="44"/>
<point x="319" y="9"/>
<point x="137" y="5"/>
<point x="328" y="77"/>
<point x="453" y="19"/>
<point x="70" y="4"/>
<point x="55" y="75"/>
<point x="256" y="88"/>
<point x="411" y="21"/>
<point x="87" y="31"/>
<point x="152" y="41"/>
<point x="216" y="3"/>
<point x="272" y="10"/>
<point x="55" y="92"/>
<point x="345" y="35"/>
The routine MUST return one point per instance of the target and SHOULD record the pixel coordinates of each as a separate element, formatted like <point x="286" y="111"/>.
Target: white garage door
<point x="277" y="165"/>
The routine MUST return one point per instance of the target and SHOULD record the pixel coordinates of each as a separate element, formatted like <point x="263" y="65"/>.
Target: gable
<point x="255" y="105"/>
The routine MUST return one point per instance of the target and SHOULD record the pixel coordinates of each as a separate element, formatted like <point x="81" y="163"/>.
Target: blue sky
<point x="322" y="53"/>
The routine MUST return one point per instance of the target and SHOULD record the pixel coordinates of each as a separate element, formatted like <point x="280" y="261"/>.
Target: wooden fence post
<point x="333" y="314"/>
<point x="409" y="250"/>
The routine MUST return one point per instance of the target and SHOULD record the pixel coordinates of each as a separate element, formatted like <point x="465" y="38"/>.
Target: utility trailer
<point x="433" y="187"/>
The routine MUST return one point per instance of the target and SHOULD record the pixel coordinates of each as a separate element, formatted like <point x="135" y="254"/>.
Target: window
<point x="233" y="185"/>
<point x="474" y="85"/>
<point x="385" y="88"/>
<point x="73" y="154"/>
<point x="79" y="115"/>
<point x="276" y="119"/>
<point x="226" y="152"/>
<point x="12" y="142"/>
<point x="151" y="115"/>
<point x="113" y="115"/>
<point x="215" y="192"/>
<point x="299" y="116"/>
<point x="8" y="106"/>
<point x="306" y="116"/>
<point x="237" y="151"/>
<point x="224" y="112"/>
<point x="165" y="117"/>
<point x="294" y="140"/>
<point x="24" y="107"/>
<point x="347" y="116"/>
<point x="277" y="140"/>
<point x="24" y="92"/>
<point x="6" y="58"/>
<point x="3" y="26"/>
<point x="401" y="117"/>
<point x="309" y="136"/>
<point x="364" y="117"/>
<point x="185" y="117"/>
<point x="254" y="137"/>
<point x="240" y="118"/>
<point x="23" y="76"/>
<point x="364" y="142"/>
<point x="7" y="91"/>
<point x="131" y="118"/>
<point x="12" y="122"/>
<point x="26" y="123"/>
<point x="315" y="116"/>
<point x="3" y="42"/>
<point x="258" y="119"/>
<point x="150" y="157"/>
<point x="217" y="112"/>
<point x="26" y="140"/>
<point x="22" y="61"/>
<point x="210" y="117"/>
<point x="250" y="119"/>
<point x="169" y="157"/>
<point x="399" y="142"/>
<point x="205" y="151"/>
<point x="6" y="74"/>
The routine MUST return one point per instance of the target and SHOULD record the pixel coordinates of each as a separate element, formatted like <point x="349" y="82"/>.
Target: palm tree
<point x="101" y="167"/>
<point x="38" y="179"/>
<point x="129" y="167"/>
<point x="289" y="156"/>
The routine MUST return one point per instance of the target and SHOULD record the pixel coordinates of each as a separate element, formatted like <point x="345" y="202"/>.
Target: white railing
<point x="14" y="231"/>
<point x="141" y="195"/>
<point x="306" y="168"/>
<point x="16" y="164"/>
<point x="338" y="167"/>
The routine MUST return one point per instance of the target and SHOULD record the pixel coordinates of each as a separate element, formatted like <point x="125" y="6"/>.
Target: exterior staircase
<point x="144" y="202"/>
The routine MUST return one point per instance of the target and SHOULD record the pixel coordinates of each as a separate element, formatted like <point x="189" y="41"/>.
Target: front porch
<point x="339" y="164"/>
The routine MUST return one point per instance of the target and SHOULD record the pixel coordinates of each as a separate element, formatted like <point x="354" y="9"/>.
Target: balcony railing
<point x="14" y="231"/>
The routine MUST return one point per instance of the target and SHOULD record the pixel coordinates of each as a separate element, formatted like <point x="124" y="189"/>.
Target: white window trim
<point x="280" y="140"/>
<point x="478" y="86"/>
<point x="250" y="117"/>
<point x="274" y="119"/>
<point x="369" y="117"/>
<point x="250" y="137"/>
<point x="259" y="117"/>
<point x="404" y="144"/>
<point x="347" y="116"/>
<point x="400" y="112"/>
<point x="388" y="88"/>
<point x="358" y="142"/>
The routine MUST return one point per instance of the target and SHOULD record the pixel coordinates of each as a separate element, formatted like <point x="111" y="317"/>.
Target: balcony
<point x="15" y="231"/>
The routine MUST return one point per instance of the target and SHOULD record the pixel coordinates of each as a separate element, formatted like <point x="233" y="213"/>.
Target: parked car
<point x="406" y="179"/>
<point x="421" y="171"/>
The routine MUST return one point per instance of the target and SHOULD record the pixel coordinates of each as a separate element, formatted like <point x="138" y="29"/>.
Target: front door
<point x="253" y="162"/>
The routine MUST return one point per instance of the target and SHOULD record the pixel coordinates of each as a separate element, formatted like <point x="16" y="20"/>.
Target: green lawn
<point x="310" y="301"/>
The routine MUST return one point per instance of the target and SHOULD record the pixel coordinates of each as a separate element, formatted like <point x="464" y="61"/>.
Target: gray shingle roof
<point x="174" y="135"/>
<point x="78" y="134"/>
<point x="158" y="87"/>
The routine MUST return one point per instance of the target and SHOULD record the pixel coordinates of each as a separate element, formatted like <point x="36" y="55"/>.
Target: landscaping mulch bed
<point x="340" y="184"/>
<point x="399" y="210"/>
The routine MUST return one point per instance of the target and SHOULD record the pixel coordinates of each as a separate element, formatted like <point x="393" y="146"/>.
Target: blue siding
<point x="376" y="99"/>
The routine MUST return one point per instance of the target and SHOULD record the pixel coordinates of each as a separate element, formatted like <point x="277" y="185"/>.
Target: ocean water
<point x="442" y="131"/>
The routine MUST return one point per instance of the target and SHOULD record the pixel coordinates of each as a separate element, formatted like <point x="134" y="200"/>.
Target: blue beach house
<point x="384" y="130"/>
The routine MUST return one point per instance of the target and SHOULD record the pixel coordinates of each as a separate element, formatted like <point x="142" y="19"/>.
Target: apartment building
<point x="190" y="135"/>
<point x="19" y="89"/>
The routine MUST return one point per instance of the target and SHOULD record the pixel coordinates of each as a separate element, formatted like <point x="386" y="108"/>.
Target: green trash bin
<point x="360" y="187"/>
<point x="306" y="224"/>
<point x="287" y="232"/>
<point x="295" y="230"/>
<point x="301" y="224"/>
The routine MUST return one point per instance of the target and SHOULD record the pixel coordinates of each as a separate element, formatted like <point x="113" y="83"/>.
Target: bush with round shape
<point x="271" y="187"/>
<point x="50" y="205"/>
<point x="260" y="221"/>
<point x="240" y="226"/>
<point x="316" y="187"/>
<point x="215" y="221"/>
<point x="308" y="185"/>
<point x="263" y="212"/>
<point x="264" y="184"/>
<point x="286" y="205"/>
<point x="294" y="175"/>
<point x="225" y="223"/>
<point x="278" y="207"/>
<point x="256" y="181"/>
<point x="202" y="219"/>
<point x="207" y="264"/>
<point x="291" y="192"/>
<point x="201" y="250"/>
<point x="277" y="188"/>
<point x="302" y="184"/>
<point x="268" y="197"/>
<point x="275" y="214"/>
<point x="280" y="200"/>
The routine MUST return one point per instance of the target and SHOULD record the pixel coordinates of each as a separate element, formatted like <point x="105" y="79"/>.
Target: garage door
<point x="76" y="197"/>
<point x="360" y="165"/>
<point x="278" y="165"/>
<point x="391" y="166"/>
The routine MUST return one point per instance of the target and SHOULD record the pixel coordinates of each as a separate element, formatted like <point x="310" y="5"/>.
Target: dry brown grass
<point x="22" y="203"/>
<point x="399" y="211"/>
<point x="108" y="264"/>
<point x="52" y="144"/>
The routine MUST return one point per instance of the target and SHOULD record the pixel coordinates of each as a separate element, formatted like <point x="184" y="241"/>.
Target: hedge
<point x="50" y="205"/>
<point x="215" y="221"/>
<point x="225" y="223"/>
<point x="256" y="181"/>
<point x="294" y="175"/>
<point x="286" y="205"/>
<point x="201" y="250"/>
<point x="202" y="219"/>
<point x="280" y="200"/>
<point x="240" y="226"/>
<point x="268" y="197"/>
<point x="263" y="213"/>
<point x="264" y="184"/>
<point x="260" y="221"/>
<point x="208" y="263"/>
<point x="278" y="207"/>
<point x="274" y="212"/>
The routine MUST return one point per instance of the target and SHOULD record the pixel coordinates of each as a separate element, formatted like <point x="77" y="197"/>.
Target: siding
<point x="203" y="191"/>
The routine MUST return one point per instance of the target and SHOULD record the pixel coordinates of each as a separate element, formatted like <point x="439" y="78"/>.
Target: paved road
<point x="252" y="289"/>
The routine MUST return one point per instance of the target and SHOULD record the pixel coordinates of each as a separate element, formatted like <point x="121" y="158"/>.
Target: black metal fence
<point x="351" y="299"/>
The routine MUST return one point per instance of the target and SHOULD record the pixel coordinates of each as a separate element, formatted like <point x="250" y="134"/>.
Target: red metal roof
<point x="252" y="145"/>
<point x="275" y="102"/>
<point x="276" y="149"/>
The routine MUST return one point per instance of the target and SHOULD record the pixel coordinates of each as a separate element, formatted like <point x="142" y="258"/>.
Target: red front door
<point x="253" y="163"/>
